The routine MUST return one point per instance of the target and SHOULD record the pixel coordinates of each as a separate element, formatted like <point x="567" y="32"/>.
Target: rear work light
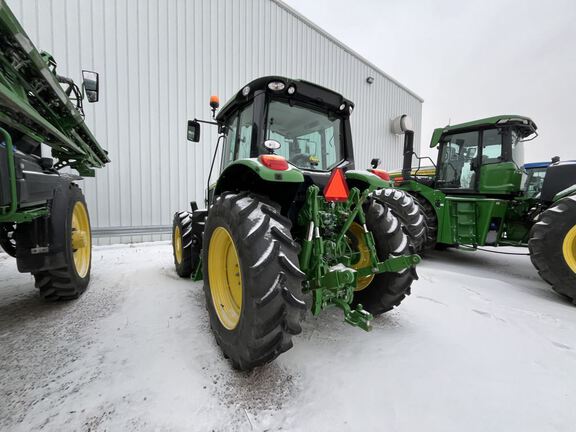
<point x="274" y="162"/>
<point x="380" y="173"/>
<point x="337" y="189"/>
<point x="276" y="85"/>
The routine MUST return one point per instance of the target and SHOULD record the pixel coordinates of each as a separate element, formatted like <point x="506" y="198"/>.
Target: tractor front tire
<point x="182" y="243"/>
<point x="552" y="246"/>
<point x="252" y="282"/>
<point x="70" y="224"/>
<point x="404" y="207"/>
<point x="386" y="290"/>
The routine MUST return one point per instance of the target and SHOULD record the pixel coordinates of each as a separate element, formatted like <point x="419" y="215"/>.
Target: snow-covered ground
<point x="481" y="345"/>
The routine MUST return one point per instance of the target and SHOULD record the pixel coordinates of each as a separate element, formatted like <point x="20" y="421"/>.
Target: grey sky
<point x="470" y="59"/>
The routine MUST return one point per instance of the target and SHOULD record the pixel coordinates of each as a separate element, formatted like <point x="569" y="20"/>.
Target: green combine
<point x="44" y="221"/>
<point x="480" y="194"/>
<point x="289" y="224"/>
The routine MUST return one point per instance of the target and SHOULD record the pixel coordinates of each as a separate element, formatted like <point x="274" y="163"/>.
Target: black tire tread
<point x="431" y="221"/>
<point x="545" y="246"/>
<point x="407" y="210"/>
<point x="6" y="242"/>
<point x="62" y="283"/>
<point x="183" y="219"/>
<point x="271" y="307"/>
<point x="387" y="290"/>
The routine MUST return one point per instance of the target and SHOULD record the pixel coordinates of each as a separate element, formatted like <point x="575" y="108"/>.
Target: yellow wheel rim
<point x="225" y="278"/>
<point x="356" y="233"/>
<point x="569" y="248"/>
<point x="177" y="244"/>
<point x="81" y="239"/>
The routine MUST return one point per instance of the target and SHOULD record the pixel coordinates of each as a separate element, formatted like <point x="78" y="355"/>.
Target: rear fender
<point x="566" y="192"/>
<point x="251" y="175"/>
<point x="365" y="179"/>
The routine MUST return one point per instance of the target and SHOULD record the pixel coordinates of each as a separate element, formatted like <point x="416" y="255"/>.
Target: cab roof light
<point x="276" y="86"/>
<point x="274" y="162"/>
<point x="337" y="189"/>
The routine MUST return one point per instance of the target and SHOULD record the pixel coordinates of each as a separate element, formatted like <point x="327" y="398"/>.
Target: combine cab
<point x="289" y="224"/>
<point x="480" y="195"/>
<point x="44" y="221"/>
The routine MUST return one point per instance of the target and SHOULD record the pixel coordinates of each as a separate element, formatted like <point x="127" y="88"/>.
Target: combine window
<point x="457" y="158"/>
<point x="491" y="146"/>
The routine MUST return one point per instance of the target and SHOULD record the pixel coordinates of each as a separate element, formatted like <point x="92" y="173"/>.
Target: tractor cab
<point x="302" y="122"/>
<point x="482" y="157"/>
<point x="289" y="126"/>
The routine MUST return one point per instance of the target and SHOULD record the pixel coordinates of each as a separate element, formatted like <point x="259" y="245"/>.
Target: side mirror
<point x="91" y="84"/>
<point x="374" y="163"/>
<point x="193" y="131"/>
<point x="436" y="135"/>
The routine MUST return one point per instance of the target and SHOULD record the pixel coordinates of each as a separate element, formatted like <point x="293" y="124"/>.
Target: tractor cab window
<point x="533" y="181"/>
<point x="309" y="139"/>
<point x="244" y="142"/>
<point x="458" y="156"/>
<point x="491" y="146"/>
<point x="230" y="132"/>
<point x="238" y="136"/>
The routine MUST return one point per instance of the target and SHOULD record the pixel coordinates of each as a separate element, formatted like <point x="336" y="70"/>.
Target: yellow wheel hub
<point x="225" y="278"/>
<point x="177" y="244"/>
<point x="356" y="234"/>
<point x="569" y="248"/>
<point x="81" y="241"/>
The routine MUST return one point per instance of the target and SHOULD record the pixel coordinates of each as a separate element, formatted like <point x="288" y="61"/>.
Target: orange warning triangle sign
<point x="336" y="189"/>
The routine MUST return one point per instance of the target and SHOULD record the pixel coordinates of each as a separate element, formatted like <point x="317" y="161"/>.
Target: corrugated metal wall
<point x="159" y="62"/>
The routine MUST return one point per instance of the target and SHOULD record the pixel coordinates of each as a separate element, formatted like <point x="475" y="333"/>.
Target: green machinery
<point x="478" y="196"/>
<point x="289" y="224"/>
<point x="44" y="221"/>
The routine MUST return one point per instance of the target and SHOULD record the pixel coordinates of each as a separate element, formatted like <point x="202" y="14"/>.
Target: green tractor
<point x="289" y="224"/>
<point x="44" y="221"/>
<point x="479" y="196"/>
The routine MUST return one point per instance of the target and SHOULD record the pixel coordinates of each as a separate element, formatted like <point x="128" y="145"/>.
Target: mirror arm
<point x="207" y="122"/>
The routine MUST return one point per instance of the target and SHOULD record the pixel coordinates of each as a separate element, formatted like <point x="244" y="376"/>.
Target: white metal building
<point x="159" y="62"/>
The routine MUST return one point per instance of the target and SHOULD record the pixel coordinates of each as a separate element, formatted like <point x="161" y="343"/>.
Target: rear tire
<point x="71" y="280"/>
<point x="552" y="246"/>
<point x="267" y="281"/>
<point x="387" y="290"/>
<point x="182" y="243"/>
<point x="406" y="209"/>
<point x="431" y="222"/>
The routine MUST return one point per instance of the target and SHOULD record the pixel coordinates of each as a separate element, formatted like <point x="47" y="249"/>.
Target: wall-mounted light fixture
<point x="370" y="80"/>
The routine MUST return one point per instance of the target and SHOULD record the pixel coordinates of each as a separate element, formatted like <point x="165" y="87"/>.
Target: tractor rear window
<point x="308" y="139"/>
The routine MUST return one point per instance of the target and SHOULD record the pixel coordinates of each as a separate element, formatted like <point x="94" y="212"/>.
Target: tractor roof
<point x="304" y="91"/>
<point x="506" y="119"/>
